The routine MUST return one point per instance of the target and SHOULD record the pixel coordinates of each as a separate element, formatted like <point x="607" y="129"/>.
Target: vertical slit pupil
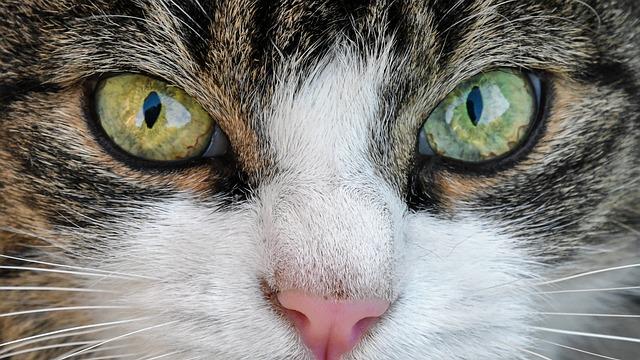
<point x="475" y="105"/>
<point x="151" y="108"/>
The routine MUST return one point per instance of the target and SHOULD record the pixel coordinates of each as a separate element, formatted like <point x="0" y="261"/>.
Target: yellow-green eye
<point x="483" y="119"/>
<point x="153" y="120"/>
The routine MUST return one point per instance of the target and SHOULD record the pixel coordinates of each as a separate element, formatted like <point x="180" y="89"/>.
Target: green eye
<point x="483" y="119"/>
<point x="153" y="120"/>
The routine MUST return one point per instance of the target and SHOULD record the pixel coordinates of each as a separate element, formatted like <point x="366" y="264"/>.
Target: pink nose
<point x="330" y="328"/>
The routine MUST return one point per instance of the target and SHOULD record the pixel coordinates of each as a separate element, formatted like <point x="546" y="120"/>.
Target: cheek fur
<point x="199" y="269"/>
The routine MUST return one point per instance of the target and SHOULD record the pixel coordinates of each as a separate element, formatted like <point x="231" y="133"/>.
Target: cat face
<point x="323" y="188"/>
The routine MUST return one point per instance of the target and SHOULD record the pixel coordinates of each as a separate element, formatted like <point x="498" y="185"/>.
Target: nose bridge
<point x="328" y="228"/>
<point x="332" y="238"/>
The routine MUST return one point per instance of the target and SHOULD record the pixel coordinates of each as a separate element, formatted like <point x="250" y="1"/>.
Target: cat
<point x="334" y="210"/>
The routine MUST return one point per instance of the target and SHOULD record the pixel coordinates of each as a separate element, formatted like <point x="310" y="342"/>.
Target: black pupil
<point x="151" y="108"/>
<point x="475" y="105"/>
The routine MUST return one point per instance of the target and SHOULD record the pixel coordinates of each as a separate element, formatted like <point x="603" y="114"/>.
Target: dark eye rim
<point x="541" y="82"/>
<point x="123" y="156"/>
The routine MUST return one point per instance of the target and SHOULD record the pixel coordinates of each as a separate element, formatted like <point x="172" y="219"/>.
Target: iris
<point x="484" y="118"/>
<point x="152" y="120"/>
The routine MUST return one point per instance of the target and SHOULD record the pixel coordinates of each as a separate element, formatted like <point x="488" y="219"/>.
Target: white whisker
<point x="627" y="227"/>
<point x="535" y="354"/>
<point x="71" y="329"/>
<point x="77" y="273"/>
<point x="589" y="335"/>
<point x="70" y="308"/>
<point x="579" y="350"/>
<point x="77" y="268"/>
<point x="592" y="10"/>
<point x="185" y="13"/>
<point x="47" y="347"/>
<point x="590" y="290"/>
<point x="203" y="10"/>
<point x="160" y="356"/>
<point x="112" y="357"/>
<point x="38" y="237"/>
<point x="115" y="339"/>
<point x="590" y="315"/>
<point x="177" y="19"/>
<point x="102" y="349"/>
<point x="49" y="288"/>
<point x="47" y="338"/>
<point x="594" y="272"/>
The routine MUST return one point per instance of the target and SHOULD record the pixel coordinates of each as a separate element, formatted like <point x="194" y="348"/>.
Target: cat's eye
<point x="484" y="118"/>
<point x="156" y="121"/>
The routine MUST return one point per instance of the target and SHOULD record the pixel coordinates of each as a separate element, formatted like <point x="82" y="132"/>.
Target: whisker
<point x="112" y="357"/>
<point x="70" y="308"/>
<point x="627" y="227"/>
<point x="589" y="335"/>
<point x="77" y="273"/>
<point x="38" y="237"/>
<point x="535" y="354"/>
<point x="579" y="350"/>
<point x="203" y="10"/>
<point x="627" y="208"/>
<point x="160" y="356"/>
<point x="477" y="15"/>
<point x="47" y="338"/>
<point x="78" y="268"/>
<point x="47" y="347"/>
<point x="71" y="329"/>
<point x="49" y="288"/>
<point x="590" y="290"/>
<point x="102" y="349"/>
<point x="115" y="339"/>
<point x="590" y="8"/>
<point x="590" y="315"/>
<point x="166" y="8"/>
<point x="185" y="13"/>
<point x="594" y="272"/>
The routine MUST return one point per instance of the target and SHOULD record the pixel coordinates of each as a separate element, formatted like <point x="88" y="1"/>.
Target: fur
<point x="323" y="190"/>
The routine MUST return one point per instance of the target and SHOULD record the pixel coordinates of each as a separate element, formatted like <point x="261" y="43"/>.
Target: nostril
<point x="362" y="326"/>
<point x="298" y="319"/>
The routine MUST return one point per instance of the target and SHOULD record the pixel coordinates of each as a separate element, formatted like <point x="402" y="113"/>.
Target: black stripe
<point x="452" y="24"/>
<point x="265" y="21"/>
<point x="421" y="194"/>
<point x="614" y="75"/>
<point x="19" y="89"/>
<point x="199" y="21"/>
